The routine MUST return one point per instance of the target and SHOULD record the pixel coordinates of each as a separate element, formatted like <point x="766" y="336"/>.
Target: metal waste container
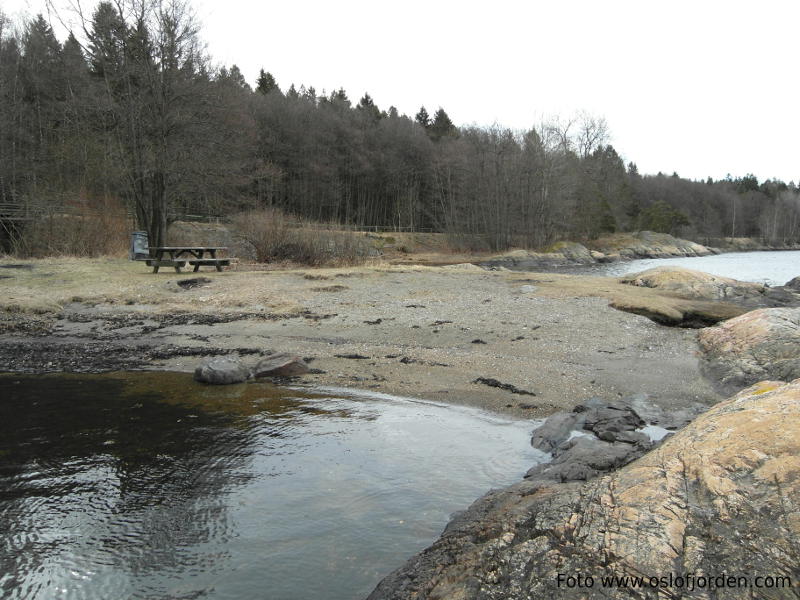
<point x="140" y="248"/>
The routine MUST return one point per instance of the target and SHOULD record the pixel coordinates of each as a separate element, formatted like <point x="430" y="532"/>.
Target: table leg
<point x="218" y="266"/>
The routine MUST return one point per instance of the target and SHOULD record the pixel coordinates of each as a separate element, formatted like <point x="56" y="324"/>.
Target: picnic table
<point x="179" y="256"/>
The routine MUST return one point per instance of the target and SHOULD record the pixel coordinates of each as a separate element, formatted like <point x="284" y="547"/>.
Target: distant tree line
<point x="129" y="109"/>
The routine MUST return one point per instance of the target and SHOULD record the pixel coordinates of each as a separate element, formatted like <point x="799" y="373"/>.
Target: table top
<point x="188" y="247"/>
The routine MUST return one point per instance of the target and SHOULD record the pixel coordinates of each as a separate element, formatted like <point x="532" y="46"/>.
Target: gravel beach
<point x="522" y="343"/>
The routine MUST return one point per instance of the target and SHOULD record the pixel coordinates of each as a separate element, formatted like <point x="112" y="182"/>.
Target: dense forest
<point x="129" y="112"/>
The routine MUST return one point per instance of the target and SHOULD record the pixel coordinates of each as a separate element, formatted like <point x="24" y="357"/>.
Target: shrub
<point x="58" y="234"/>
<point x="276" y="236"/>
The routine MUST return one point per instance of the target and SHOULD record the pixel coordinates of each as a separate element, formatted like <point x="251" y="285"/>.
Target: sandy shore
<point x="425" y="332"/>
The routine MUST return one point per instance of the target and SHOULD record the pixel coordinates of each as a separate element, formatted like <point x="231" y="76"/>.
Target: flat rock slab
<point x="698" y="286"/>
<point x="680" y="312"/>
<point x="222" y="371"/>
<point x="281" y="365"/>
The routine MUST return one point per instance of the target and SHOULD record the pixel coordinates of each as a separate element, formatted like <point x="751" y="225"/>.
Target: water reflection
<point x="149" y="486"/>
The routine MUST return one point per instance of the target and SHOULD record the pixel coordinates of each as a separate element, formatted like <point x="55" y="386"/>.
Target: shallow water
<point x="772" y="268"/>
<point x="150" y="486"/>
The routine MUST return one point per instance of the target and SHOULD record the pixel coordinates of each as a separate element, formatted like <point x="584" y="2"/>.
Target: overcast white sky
<point x="700" y="87"/>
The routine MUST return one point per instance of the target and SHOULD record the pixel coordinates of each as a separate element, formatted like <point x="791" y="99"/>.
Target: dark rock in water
<point x="613" y="440"/>
<point x="603" y="417"/>
<point x="586" y="457"/>
<point x="607" y="420"/>
<point x="720" y="496"/>
<point x="627" y="437"/>
<point x="281" y="365"/>
<point x="555" y="430"/>
<point x="221" y="371"/>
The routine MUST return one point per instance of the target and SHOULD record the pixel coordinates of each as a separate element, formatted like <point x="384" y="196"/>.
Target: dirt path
<point x="450" y="333"/>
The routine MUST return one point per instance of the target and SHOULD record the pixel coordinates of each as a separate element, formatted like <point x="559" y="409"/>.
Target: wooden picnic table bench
<point x="179" y="256"/>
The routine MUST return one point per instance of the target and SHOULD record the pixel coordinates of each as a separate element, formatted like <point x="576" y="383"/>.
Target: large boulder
<point x="720" y="497"/>
<point x="281" y="365"/>
<point x="760" y="344"/>
<point x="221" y="371"/>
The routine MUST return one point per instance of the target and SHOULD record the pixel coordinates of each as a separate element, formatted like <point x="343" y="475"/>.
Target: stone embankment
<point x="721" y="497"/>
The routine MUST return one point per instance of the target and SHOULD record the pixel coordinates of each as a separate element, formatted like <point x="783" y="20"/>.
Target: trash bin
<point x="140" y="248"/>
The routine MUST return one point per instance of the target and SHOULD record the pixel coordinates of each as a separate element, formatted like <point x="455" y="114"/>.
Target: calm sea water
<point x="150" y="486"/>
<point x="772" y="268"/>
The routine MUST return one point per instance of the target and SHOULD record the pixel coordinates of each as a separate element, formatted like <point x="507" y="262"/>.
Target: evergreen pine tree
<point x="107" y="42"/>
<point x="266" y="83"/>
<point x="442" y="126"/>
<point x="367" y="107"/>
<point x="423" y="118"/>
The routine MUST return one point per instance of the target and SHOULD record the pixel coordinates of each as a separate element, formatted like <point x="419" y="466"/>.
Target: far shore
<point x="528" y="344"/>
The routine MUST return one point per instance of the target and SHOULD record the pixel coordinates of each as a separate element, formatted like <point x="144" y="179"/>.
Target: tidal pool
<point x="147" y="485"/>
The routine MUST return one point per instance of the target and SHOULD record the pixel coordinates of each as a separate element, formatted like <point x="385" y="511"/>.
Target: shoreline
<point x="436" y="333"/>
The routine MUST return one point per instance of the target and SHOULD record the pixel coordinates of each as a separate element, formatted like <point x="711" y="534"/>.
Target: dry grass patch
<point x="49" y="284"/>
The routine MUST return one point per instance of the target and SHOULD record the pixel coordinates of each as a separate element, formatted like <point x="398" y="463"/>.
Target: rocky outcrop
<point x="719" y="498"/>
<point x="558" y="255"/>
<point x="794" y="284"/>
<point x="649" y="244"/>
<point x="760" y="344"/>
<point x="644" y="244"/>
<point x="750" y="245"/>
<point x="696" y="299"/>
<point x="222" y="371"/>
<point x="696" y="285"/>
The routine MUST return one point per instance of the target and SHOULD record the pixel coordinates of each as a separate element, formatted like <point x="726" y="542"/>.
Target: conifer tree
<point x="266" y="83"/>
<point x="423" y="118"/>
<point x="367" y="107"/>
<point x="442" y="126"/>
